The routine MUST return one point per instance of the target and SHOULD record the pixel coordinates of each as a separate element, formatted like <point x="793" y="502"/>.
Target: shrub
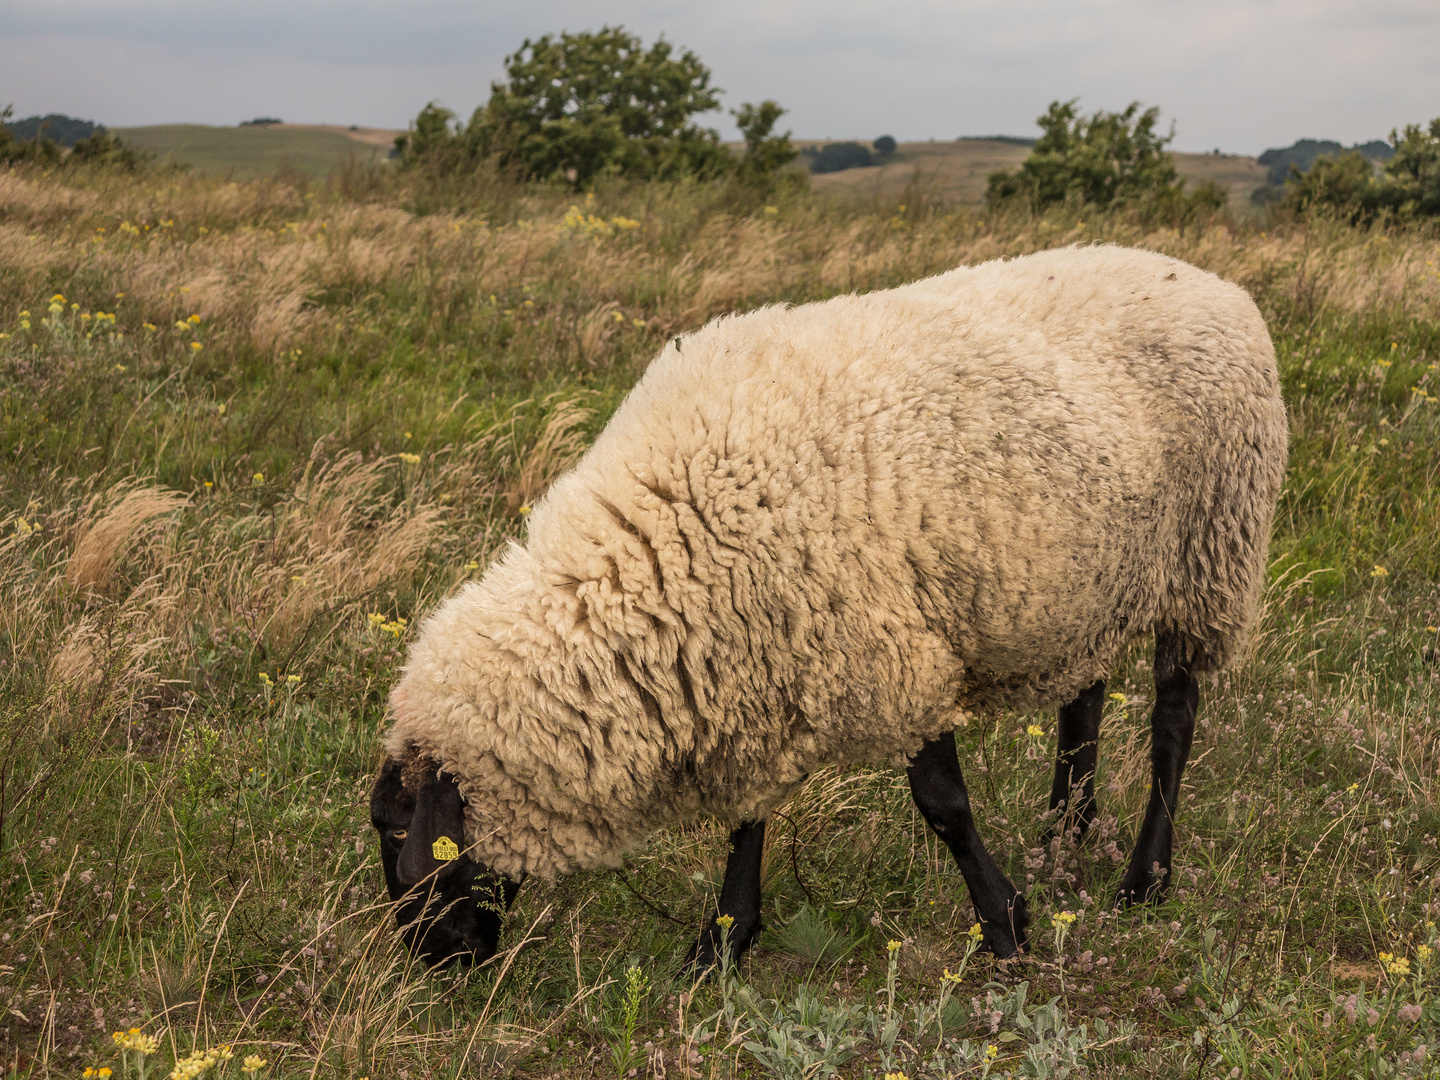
<point x="13" y="150"/>
<point x="1408" y="186"/>
<point x="884" y="145"/>
<point x="838" y="156"/>
<point x="1095" y="161"/>
<point x="107" y="149"/>
<point x="765" y="152"/>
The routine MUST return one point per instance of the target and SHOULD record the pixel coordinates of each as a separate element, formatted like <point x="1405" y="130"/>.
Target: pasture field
<point x="250" y="152"/>
<point x="251" y="431"/>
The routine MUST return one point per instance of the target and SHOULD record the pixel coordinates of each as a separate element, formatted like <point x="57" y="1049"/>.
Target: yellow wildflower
<point x="193" y="320"/>
<point x="725" y="922"/>
<point x="258" y="478"/>
<point x="196" y="346"/>
<point x="293" y="680"/>
<point x="1064" y="919"/>
<point x="410" y="459"/>
<point x="638" y="323"/>
<point x="253" y="1064"/>
<point x="976" y="933"/>
<point x="896" y="1076"/>
<point x="1396" y="965"/>
<point x="524" y="510"/>
<point x="375" y="619"/>
<point x="1423" y="954"/>
<point x="1119" y="699"/>
<point x="992" y="1052"/>
<point x="1379" y="572"/>
<point x="265" y="679"/>
<point x="472" y="565"/>
<point x="58" y="298"/>
<point x="892" y="946"/>
<point x="1035" y="731"/>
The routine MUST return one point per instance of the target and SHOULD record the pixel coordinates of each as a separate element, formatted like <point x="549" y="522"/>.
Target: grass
<point x="250" y="152"/>
<point x="211" y="558"/>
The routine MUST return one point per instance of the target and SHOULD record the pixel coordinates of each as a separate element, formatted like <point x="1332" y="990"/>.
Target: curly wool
<point x="813" y="535"/>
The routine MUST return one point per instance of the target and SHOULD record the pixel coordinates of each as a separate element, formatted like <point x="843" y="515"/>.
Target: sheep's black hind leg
<point x="1172" y="727"/>
<point x="938" y="788"/>
<point x="739" y="898"/>
<point x="1076" y="754"/>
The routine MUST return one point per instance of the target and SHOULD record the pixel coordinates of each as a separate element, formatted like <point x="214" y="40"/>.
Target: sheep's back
<point x="812" y="534"/>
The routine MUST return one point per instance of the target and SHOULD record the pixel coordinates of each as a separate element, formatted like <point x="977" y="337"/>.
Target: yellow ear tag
<point x="445" y="849"/>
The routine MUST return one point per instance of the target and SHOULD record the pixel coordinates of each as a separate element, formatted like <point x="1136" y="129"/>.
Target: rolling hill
<point x="960" y="170"/>
<point x="256" y="151"/>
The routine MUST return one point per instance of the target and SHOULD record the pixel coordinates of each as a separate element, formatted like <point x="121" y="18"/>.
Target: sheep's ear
<point x="437" y="830"/>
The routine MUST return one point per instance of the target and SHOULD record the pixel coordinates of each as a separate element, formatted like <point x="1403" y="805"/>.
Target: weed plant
<point x="251" y="432"/>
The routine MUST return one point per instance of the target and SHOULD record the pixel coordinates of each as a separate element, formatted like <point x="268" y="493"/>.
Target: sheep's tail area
<point x="1214" y="597"/>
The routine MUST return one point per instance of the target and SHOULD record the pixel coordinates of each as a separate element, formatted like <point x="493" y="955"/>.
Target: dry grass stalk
<point x="93" y="561"/>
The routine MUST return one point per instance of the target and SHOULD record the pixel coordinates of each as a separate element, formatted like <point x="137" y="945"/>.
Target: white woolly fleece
<point x="810" y="535"/>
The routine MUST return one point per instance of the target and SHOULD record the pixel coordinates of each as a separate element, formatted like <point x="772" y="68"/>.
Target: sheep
<point x="820" y="535"/>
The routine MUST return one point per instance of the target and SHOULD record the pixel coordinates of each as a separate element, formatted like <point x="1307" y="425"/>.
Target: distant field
<point x="257" y="151"/>
<point x="960" y="170"/>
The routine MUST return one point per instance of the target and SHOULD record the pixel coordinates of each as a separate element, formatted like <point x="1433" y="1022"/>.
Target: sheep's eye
<point x="399" y="834"/>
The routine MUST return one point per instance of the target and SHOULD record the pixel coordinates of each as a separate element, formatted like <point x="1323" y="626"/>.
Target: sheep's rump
<point x="813" y="534"/>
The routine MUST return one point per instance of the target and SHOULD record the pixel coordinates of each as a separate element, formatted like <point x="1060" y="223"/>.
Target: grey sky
<point x="1238" y="74"/>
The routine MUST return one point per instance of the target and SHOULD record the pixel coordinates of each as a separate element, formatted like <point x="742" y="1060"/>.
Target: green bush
<point x="1408" y="186"/>
<point x="766" y="153"/>
<point x="584" y="105"/>
<point x="1102" y="160"/>
<point x="14" y="151"/>
<point x="835" y="157"/>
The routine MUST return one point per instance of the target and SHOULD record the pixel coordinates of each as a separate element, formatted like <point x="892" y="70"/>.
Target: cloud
<point x="1239" y="74"/>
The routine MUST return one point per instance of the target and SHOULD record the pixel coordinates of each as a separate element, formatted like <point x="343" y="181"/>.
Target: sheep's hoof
<point x="1007" y="938"/>
<point x="704" y="955"/>
<point x="1137" y="889"/>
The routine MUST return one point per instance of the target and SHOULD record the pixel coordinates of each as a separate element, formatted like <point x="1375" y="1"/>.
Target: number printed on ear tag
<point x="445" y="849"/>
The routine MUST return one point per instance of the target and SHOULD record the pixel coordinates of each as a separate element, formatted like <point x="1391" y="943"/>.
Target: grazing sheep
<point x="814" y="535"/>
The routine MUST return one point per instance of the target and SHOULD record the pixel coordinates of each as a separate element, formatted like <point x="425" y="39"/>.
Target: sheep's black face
<point x="450" y="908"/>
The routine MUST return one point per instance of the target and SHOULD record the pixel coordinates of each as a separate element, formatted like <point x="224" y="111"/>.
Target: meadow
<point x="257" y="151"/>
<point x="250" y="431"/>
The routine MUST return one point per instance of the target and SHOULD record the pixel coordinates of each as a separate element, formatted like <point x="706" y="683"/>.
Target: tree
<point x="1097" y="160"/>
<point x="884" y="145"/>
<point x="580" y="105"/>
<point x="765" y="153"/>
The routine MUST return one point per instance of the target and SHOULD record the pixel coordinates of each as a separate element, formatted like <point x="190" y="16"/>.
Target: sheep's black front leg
<point x="1172" y="728"/>
<point x="938" y="788"/>
<point x="1076" y="754"/>
<point x="739" y="899"/>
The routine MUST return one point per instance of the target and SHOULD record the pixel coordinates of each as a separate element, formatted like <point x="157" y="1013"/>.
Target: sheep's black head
<point x="450" y="908"/>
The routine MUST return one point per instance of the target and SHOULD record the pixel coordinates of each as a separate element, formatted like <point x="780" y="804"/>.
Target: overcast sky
<point x="1241" y="75"/>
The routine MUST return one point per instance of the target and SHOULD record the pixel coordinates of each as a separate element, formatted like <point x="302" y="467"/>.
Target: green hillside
<point x="250" y="151"/>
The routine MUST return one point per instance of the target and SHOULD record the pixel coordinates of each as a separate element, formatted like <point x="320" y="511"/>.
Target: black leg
<point x="739" y="899"/>
<point x="1172" y="727"/>
<point x="938" y="788"/>
<point x="1072" y="795"/>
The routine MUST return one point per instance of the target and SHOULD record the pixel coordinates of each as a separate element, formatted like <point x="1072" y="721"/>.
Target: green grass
<point x="192" y="692"/>
<point x="249" y="152"/>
